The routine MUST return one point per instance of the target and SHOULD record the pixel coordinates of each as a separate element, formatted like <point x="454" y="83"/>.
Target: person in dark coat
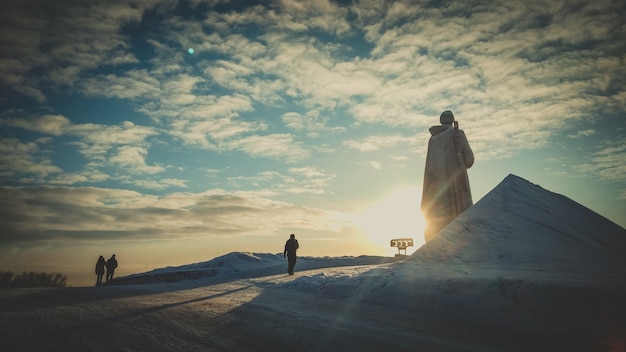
<point x="111" y="265"/>
<point x="100" y="269"/>
<point x="290" y="251"/>
<point x="446" y="192"/>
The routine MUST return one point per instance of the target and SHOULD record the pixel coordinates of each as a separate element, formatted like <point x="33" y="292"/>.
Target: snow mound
<point x="521" y="226"/>
<point x="244" y="265"/>
<point x="521" y="257"/>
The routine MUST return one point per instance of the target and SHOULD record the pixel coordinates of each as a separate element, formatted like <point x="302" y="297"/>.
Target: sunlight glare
<point x="396" y="215"/>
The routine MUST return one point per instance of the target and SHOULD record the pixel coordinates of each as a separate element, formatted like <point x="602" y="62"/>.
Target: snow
<point x="245" y="265"/>
<point x="523" y="269"/>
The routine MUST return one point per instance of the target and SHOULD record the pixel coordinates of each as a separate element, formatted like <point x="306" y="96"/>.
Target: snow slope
<point x="521" y="226"/>
<point x="522" y="257"/>
<point x="244" y="265"/>
<point x="524" y="269"/>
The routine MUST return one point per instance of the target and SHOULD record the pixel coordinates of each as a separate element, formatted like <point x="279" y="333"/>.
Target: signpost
<point x="401" y="244"/>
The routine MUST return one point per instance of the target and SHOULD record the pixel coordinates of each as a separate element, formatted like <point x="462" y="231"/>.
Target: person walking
<point x="100" y="270"/>
<point x="111" y="265"/>
<point x="290" y="252"/>
<point x="446" y="192"/>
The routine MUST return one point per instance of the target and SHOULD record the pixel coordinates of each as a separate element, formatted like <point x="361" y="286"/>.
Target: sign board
<point x="402" y="243"/>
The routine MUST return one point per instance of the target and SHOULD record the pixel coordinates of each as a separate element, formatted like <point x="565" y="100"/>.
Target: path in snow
<point x="260" y="314"/>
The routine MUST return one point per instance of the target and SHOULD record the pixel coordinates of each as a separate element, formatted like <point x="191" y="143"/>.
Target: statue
<point x="446" y="192"/>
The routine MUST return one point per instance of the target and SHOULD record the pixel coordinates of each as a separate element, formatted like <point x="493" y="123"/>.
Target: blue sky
<point x="289" y="116"/>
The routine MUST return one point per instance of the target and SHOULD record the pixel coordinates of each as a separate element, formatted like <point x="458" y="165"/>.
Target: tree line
<point x="32" y="279"/>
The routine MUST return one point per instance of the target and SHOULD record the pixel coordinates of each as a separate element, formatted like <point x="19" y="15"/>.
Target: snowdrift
<point x="244" y="265"/>
<point x="524" y="269"/>
<point x="523" y="258"/>
<point x="521" y="226"/>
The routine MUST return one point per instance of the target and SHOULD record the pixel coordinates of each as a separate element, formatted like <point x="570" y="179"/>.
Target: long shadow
<point x="313" y="321"/>
<point x="140" y="312"/>
<point x="39" y="298"/>
<point x="52" y="297"/>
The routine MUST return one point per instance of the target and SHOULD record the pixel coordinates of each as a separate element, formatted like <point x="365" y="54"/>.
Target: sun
<point x="395" y="215"/>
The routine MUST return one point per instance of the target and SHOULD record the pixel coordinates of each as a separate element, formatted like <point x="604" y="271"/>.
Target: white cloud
<point x="83" y="213"/>
<point x="514" y="73"/>
<point x="610" y="162"/>
<point x="134" y="160"/>
<point x="55" y="125"/>
<point x="310" y="121"/>
<point x="17" y="158"/>
<point x="132" y="85"/>
<point x="374" y="165"/>
<point x="124" y="145"/>
<point x="583" y="133"/>
<point x="308" y="171"/>
<point x="301" y="180"/>
<point x="58" y="44"/>
<point x="376" y="142"/>
<point x="275" y="146"/>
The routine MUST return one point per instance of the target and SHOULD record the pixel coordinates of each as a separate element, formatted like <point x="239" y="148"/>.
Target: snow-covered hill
<point x="244" y="265"/>
<point x="524" y="269"/>
<point x="522" y="257"/>
<point x="521" y="226"/>
<point x="518" y="231"/>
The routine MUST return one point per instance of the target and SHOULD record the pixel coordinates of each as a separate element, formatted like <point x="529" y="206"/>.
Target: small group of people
<point x="110" y="265"/>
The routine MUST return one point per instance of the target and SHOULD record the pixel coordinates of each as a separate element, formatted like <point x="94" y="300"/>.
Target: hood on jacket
<point x="435" y="130"/>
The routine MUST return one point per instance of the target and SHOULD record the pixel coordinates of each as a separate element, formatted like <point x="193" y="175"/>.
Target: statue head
<point x="446" y="117"/>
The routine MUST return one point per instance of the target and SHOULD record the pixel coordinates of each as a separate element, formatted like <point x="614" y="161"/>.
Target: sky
<point x="171" y="132"/>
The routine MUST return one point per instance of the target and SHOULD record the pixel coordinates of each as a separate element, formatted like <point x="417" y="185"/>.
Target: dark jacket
<point x="100" y="266"/>
<point x="111" y="264"/>
<point x="291" y="246"/>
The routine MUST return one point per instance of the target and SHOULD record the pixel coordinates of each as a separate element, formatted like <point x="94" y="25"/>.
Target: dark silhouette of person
<point x="446" y="192"/>
<point x="290" y="251"/>
<point x="111" y="265"/>
<point x="100" y="269"/>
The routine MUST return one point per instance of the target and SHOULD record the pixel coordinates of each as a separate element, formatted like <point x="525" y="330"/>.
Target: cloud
<point x="309" y="172"/>
<point x="266" y="79"/>
<point x="55" y="125"/>
<point x="134" y="84"/>
<point x="580" y="134"/>
<point x="423" y="59"/>
<point x="419" y="65"/>
<point x="610" y="162"/>
<point x="56" y="44"/>
<point x="276" y="146"/>
<point x="123" y="146"/>
<point x="156" y="184"/>
<point x="607" y="162"/>
<point x="376" y="142"/>
<point x="300" y="180"/>
<point x="57" y="214"/>
<point x="311" y="121"/>
<point x="374" y="165"/>
<point x="134" y="160"/>
<point x="18" y="159"/>
<point x="289" y="15"/>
